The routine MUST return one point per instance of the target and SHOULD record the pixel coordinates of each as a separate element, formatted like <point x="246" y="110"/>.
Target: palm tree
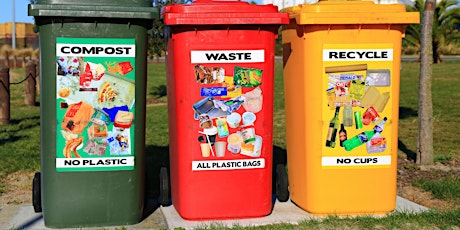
<point x="446" y="16"/>
<point x="425" y="153"/>
<point x="449" y="18"/>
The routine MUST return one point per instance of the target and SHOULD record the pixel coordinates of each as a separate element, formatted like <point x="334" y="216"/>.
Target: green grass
<point x="157" y="111"/>
<point x="20" y="140"/>
<point x="279" y="124"/>
<point x="156" y="84"/>
<point x="446" y="109"/>
<point x="447" y="188"/>
<point x="397" y="220"/>
<point x="446" y="122"/>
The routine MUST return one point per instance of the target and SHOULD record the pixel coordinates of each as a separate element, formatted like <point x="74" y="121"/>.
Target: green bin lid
<point x="351" y="12"/>
<point x="131" y="9"/>
<point x="98" y="2"/>
<point x="222" y="12"/>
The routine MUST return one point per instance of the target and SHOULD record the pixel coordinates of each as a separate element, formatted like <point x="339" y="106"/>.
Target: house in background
<point x="25" y="35"/>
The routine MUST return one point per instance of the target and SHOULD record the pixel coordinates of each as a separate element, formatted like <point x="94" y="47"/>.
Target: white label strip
<point x="357" y="54"/>
<point x="227" y="56"/>
<point x="93" y="50"/>
<point x="228" y="164"/>
<point x="94" y="162"/>
<point x="356" y="161"/>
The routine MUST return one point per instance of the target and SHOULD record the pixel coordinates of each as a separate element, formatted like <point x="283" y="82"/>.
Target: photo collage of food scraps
<point x="95" y="85"/>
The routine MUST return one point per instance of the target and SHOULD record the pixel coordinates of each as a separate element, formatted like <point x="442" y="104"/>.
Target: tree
<point x="446" y="14"/>
<point x="156" y="34"/>
<point x="449" y="17"/>
<point x="425" y="154"/>
<point x="156" y="40"/>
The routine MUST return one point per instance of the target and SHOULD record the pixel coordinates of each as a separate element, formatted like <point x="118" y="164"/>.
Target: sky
<point x="6" y="9"/>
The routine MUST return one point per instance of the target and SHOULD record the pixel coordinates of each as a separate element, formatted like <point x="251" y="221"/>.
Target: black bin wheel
<point x="165" y="191"/>
<point x="282" y="191"/>
<point x="36" y="193"/>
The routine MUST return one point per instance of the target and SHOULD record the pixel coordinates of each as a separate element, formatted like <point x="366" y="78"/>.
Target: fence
<point x="30" y="89"/>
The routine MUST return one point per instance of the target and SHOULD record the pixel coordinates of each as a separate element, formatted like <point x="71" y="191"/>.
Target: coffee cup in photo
<point x="210" y="134"/>
<point x="205" y="149"/>
<point x="220" y="148"/>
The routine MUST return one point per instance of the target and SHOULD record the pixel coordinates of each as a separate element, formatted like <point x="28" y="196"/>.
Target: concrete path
<point x="24" y="217"/>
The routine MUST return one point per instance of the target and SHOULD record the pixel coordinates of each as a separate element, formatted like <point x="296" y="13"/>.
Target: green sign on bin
<point x="95" y="104"/>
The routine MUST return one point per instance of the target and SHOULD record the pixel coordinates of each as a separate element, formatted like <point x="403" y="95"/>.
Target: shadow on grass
<point x="10" y="138"/>
<point x="14" y="134"/>
<point x="36" y="122"/>
<point x="407" y="113"/>
<point x="156" y="157"/>
<point x="159" y="91"/>
<point x="279" y="157"/>
<point x="411" y="155"/>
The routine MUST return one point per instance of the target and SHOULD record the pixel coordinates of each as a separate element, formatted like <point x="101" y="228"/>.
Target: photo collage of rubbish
<point x="227" y="111"/>
<point x="357" y="101"/>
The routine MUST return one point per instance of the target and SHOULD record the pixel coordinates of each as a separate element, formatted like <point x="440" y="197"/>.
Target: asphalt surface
<point x="23" y="217"/>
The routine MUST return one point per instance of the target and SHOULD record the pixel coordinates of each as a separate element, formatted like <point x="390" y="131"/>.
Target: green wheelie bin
<point x="93" y="68"/>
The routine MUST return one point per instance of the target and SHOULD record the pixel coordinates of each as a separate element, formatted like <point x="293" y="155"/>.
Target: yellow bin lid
<point x="351" y="12"/>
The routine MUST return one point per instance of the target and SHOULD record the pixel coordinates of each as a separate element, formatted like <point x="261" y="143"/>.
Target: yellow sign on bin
<point x="341" y="70"/>
<point x="357" y="84"/>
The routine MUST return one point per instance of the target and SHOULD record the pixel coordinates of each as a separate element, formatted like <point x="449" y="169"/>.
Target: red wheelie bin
<point x="220" y="69"/>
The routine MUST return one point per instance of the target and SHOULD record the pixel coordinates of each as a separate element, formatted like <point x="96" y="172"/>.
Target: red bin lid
<point x="222" y="12"/>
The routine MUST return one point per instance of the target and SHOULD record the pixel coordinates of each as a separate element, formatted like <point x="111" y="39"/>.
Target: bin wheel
<point x="36" y="193"/>
<point x="164" y="187"/>
<point x="282" y="191"/>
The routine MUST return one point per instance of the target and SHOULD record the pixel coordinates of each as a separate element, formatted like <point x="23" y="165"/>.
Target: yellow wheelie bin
<point x="341" y="76"/>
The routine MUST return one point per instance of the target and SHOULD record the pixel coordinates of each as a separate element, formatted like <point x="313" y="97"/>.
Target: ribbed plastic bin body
<point x="93" y="77"/>
<point x="220" y="69"/>
<point x="343" y="57"/>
